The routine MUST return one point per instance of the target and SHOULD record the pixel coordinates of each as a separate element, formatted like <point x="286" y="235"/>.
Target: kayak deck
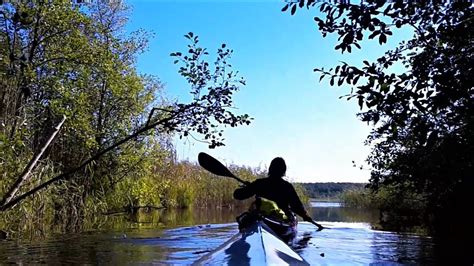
<point x="286" y="231"/>
<point x="257" y="245"/>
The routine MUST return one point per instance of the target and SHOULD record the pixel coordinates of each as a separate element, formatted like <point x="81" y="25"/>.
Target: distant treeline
<point x="330" y="190"/>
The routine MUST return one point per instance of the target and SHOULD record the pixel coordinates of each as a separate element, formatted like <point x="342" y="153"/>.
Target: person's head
<point x="277" y="168"/>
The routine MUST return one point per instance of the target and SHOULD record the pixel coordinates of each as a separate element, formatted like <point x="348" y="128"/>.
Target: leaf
<point x="349" y="38"/>
<point x="361" y="102"/>
<point x="285" y="8"/>
<point x="382" y="39"/>
<point x="375" y="33"/>
<point x="321" y="8"/>
<point x="293" y="9"/>
<point x="376" y="118"/>
<point x="340" y="81"/>
<point x="354" y="81"/>
<point x="385" y="12"/>
<point x="371" y="103"/>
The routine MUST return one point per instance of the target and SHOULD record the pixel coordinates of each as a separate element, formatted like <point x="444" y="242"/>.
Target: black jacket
<point x="276" y="189"/>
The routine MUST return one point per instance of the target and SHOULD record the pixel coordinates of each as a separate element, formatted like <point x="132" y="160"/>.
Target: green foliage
<point x="329" y="190"/>
<point x="396" y="197"/>
<point x="359" y="198"/>
<point x="72" y="54"/>
<point x="400" y="208"/>
<point x="58" y="58"/>
<point x="211" y="90"/>
<point x="35" y="217"/>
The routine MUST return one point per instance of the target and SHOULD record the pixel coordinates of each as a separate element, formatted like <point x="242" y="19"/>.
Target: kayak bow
<point x="257" y="244"/>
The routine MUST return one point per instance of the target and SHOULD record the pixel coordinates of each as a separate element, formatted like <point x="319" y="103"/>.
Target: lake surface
<point x="181" y="237"/>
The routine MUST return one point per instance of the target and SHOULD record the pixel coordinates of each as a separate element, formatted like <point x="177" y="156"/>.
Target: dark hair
<point x="277" y="167"/>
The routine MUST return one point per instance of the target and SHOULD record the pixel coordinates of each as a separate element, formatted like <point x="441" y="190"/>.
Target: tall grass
<point x="159" y="182"/>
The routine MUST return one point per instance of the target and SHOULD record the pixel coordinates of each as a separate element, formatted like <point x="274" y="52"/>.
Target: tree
<point x="69" y="59"/>
<point x="424" y="117"/>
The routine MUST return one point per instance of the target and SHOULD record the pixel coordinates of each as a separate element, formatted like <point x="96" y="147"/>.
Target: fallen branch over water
<point x="29" y="168"/>
<point x="69" y="174"/>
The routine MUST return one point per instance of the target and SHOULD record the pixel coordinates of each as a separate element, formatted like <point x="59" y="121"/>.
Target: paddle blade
<point x="212" y="165"/>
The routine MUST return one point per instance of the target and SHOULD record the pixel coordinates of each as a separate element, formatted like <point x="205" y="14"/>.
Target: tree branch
<point x="67" y="175"/>
<point x="27" y="171"/>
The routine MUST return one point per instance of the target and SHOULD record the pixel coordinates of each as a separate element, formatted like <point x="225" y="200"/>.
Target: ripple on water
<point x="343" y="244"/>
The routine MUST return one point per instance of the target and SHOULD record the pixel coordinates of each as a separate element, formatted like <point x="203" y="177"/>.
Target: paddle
<point x="320" y="227"/>
<point x="212" y="165"/>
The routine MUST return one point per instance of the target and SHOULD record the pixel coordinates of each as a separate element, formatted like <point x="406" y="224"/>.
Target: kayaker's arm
<point x="298" y="208"/>
<point x="245" y="192"/>
<point x="296" y="204"/>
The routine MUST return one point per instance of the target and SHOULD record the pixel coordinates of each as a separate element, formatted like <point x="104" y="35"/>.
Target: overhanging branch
<point x="67" y="175"/>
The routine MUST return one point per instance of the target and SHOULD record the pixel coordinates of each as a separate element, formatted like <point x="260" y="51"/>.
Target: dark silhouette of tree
<point x="423" y="118"/>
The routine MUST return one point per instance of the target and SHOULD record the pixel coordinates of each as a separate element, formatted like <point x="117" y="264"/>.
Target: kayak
<point x="256" y="244"/>
<point x="286" y="231"/>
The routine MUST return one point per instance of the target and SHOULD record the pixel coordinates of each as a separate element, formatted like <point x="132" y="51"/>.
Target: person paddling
<point x="276" y="189"/>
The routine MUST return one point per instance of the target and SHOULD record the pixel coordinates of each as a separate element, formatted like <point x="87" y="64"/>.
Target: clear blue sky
<point x="296" y="116"/>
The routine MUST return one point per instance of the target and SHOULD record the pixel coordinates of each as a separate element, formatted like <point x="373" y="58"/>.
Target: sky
<point x="295" y="116"/>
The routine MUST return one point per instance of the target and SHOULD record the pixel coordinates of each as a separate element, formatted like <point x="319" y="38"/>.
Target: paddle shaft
<point x="320" y="227"/>
<point x="240" y="180"/>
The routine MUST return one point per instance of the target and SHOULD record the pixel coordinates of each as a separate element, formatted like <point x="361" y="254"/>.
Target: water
<point x="181" y="237"/>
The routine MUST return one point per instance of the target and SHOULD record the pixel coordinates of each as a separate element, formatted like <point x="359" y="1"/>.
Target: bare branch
<point x="67" y="175"/>
<point x="29" y="168"/>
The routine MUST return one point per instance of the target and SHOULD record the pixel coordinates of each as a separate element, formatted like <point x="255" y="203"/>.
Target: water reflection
<point x="183" y="236"/>
<point x="325" y="204"/>
<point x="172" y="218"/>
<point x="238" y="252"/>
<point x="357" y="244"/>
<point x="343" y="214"/>
<point x="402" y="248"/>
